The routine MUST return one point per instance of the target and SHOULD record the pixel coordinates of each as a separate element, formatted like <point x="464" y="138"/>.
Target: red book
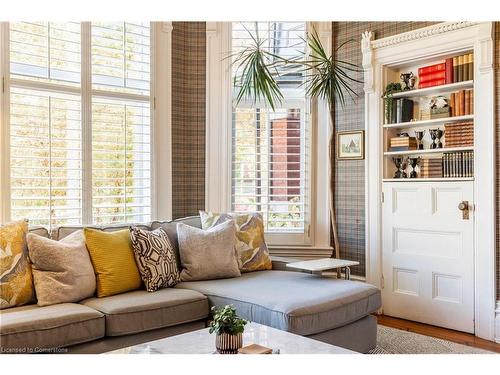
<point x="432" y="76"/>
<point x="431" y="69"/>
<point x="449" y="70"/>
<point x="436" y="82"/>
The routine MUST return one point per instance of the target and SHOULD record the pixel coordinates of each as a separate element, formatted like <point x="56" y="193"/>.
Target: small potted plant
<point x="228" y="327"/>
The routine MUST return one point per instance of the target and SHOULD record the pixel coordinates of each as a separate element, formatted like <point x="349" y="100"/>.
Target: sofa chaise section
<point x="308" y="305"/>
<point x="33" y="328"/>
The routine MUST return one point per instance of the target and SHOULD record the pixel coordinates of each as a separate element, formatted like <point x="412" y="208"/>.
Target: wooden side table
<point x="325" y="264"/>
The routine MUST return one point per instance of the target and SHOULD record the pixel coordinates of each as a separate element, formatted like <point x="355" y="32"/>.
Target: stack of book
<point x="401" y="111"/>
<point x="459" y="134"/>
<point x="458" y="164"/>
<point x="403" y="143"/>
<point x="430" y="168"/>
<point x="462" y="103"/>
<point x="453" y="69"/>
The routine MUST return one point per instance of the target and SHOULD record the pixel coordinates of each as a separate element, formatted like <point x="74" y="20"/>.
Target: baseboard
<point x="497" y="323"/>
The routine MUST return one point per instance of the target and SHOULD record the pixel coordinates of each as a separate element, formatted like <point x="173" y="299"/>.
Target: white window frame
<point x="316" y="239"/>
<point x="160" y="92"/>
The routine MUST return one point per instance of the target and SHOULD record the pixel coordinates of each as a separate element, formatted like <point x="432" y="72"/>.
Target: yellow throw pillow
<point x="16" y="283"/>
<point x="250" y="243"/>
<point x="113" y="260"/>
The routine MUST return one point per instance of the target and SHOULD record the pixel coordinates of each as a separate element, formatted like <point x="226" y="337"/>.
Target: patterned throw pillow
<point x="16" y="280"/>
<point x="155" y="258"/>
<point x="250" y="244"/>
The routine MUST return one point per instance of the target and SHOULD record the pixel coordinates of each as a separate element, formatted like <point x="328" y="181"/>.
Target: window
<point x="52" y="163"/>
<point x="121" y="163"/>
<point x="270" y="149"/>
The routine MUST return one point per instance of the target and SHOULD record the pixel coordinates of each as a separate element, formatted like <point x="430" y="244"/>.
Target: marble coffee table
<point x="202" y="342"/>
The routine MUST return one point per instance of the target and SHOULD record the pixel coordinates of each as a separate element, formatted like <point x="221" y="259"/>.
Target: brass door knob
<point x="464" y="207"/>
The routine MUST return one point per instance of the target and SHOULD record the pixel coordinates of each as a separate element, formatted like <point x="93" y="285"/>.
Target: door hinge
<point x="382" y="282"/>
<point x="154" y="103"/>
<point x="308" y="230"/>
<point x="382" y="197"/>
<point x="3" y="84"/>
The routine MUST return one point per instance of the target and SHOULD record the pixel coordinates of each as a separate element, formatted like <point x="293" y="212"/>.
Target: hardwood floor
<point x="438" y="332"/>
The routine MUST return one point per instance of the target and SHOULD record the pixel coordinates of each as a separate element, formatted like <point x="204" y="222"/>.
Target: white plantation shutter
<point x="46" y="130"/>
<point x="45" y="51"/>
<point x="45" y="125"/>
<point x="121" y="57"/>
<point x="270" y="149"/>
<point x="121" y="136"/>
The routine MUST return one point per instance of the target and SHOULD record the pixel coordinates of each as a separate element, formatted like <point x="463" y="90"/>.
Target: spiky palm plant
<point x="325" y="77"/>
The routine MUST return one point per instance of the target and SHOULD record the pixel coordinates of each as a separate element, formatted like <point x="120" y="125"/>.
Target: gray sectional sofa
<point x="330" y="310"/>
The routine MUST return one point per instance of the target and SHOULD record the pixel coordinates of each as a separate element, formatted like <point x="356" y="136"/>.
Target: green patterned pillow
<point x="251" y="247"/>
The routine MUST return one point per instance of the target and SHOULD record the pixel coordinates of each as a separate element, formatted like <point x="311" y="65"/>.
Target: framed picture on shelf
<point x="351" y="145"/>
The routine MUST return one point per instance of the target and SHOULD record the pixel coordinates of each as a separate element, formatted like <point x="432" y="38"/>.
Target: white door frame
<point x="439" y="39"/>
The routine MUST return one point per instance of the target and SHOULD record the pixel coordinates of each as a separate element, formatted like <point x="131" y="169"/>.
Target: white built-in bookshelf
<point x="405" y="215"/>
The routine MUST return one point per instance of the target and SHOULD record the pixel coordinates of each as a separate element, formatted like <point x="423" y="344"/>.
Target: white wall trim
<point x="497" y="323"/>
<point x="447" y="37"/>
<point x="4" y="121"/>
<point x="218" y="115"/>
<point x="161" y="93"/>
<point x="322" y="128"/>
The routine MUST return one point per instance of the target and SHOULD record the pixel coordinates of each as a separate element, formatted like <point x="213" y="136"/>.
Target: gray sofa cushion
<point x="292" y="301"/>
<point x="139" y="310"/>
<point x="63" y="231"/>
<point x="48" y="327"/>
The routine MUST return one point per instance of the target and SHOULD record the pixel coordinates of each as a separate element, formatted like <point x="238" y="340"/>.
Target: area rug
<point x="396" y="341"/>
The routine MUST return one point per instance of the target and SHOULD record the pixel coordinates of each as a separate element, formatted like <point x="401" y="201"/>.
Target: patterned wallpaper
<point x="188" y="117"/>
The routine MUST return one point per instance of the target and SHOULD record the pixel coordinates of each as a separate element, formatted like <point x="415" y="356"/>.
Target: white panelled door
<point x="428" y="249"/>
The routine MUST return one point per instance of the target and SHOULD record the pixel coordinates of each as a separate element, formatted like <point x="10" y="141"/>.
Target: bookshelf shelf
<point x="430" y="179"/>
<point x="424" y="123"/>
<point x="436" y="90"/>
<point x="429" y="151"/>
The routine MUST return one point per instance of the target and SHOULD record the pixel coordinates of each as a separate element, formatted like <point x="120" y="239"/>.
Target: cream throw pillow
<point x="208" y="254"/>
<point x="62" y="270"/>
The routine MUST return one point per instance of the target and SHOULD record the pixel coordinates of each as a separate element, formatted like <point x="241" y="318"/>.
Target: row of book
<point x="462" y="103"/>
<point x="459" y="134"/>
<point x="454" y="69"/>
<point x="458" y="164"/>
<point x="451" y="164"/>
<point x="401" y="110"/>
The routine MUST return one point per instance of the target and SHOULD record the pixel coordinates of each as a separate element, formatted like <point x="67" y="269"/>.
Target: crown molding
<point x="422" y="33"/>
<point x="166" y="27"/>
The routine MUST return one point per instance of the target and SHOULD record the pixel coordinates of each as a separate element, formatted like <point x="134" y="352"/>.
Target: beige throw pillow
<point x="208" y="254"/>
<point x="62" y="270"/>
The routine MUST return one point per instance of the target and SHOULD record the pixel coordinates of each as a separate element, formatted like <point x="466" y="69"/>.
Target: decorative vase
<point x="228" y="344"/>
